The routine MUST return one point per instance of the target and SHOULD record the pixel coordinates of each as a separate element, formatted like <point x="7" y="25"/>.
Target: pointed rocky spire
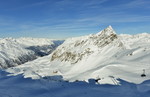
<point x="107" y="31"/>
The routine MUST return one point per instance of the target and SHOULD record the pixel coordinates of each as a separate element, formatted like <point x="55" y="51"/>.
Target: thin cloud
<point x="82" y="23"/>
<point x="137" y="3"/>
<point x="115" y="18"/>
<point x="75" y="15"/>
<point x="36" y="4"/>
<point x="94" y="3"/>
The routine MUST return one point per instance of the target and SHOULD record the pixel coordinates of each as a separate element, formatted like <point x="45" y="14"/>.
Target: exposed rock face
<point x="70" y="56"/>
<point x="100" y="56"/>
<point x="73" y="50"/>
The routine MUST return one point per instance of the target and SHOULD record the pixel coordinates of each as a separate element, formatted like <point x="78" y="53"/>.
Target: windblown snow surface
<point x="116" y="62"/>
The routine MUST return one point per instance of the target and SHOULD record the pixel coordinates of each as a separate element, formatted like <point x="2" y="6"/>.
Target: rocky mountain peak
<point x="107" y="31"/>
<point x="73" y="50"/>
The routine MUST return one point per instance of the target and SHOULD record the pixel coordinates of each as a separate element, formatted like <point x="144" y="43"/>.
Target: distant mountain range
<point x="15" y="52"/>
<point x="105" y="56"/>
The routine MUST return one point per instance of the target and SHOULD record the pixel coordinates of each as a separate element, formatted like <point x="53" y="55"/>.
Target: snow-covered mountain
<point x="15" y="52"/>
<point x="75" y="49"/>
<point x="104" y="56"/>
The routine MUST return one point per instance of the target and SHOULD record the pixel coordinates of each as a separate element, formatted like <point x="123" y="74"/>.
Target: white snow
<point x="104" y="55"/>
<point x="11" y="49"/>
<point x="54" y="86"/>
<point x="116" y="62"/>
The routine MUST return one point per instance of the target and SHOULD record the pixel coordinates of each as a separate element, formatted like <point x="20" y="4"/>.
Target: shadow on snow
<point x="55" y="86"/>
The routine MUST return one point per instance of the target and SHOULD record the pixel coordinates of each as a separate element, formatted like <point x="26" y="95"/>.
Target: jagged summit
<point x="76" y="49"/>
<point x="107" y="31"/>
<point x="99" y="56"/>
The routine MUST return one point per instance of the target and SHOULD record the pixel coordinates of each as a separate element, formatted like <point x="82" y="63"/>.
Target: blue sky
<point x="69" y="18"/>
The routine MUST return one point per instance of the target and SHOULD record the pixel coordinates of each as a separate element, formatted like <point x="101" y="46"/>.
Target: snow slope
<point x="105" y="56"/>
<point x="14" y="52"/>
<point x="17" y="86"/>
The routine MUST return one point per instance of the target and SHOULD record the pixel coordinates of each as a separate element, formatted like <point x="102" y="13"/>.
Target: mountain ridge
<point x="86" y="45"/>
<point x="15" y="52"/>
<point x="99" y="56"/>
